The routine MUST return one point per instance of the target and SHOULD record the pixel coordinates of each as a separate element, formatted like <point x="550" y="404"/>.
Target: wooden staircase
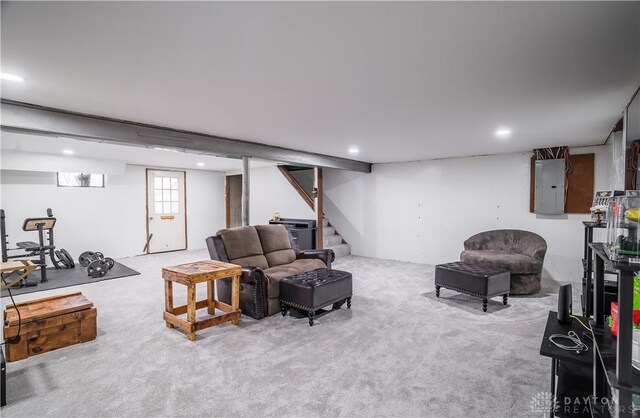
<point x="301" y="179"/>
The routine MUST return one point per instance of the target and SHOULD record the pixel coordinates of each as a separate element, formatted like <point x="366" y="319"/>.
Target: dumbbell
<point x="88" y="257"/>
<point x="96" y="263"/>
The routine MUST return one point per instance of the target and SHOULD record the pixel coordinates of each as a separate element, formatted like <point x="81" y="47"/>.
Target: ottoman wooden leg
<point x="484" y="304"/>
<point x="505" y="298"/>
<point x="437" y="291"/>
<point x="311" y="313"/>
<point x="348" y="303"/>
<point x="284" y="308"/>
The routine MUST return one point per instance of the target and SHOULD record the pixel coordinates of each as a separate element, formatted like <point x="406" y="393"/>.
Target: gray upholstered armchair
<point x="520" y="252"/>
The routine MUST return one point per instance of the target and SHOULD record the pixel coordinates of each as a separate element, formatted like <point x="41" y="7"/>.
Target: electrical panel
<point x="549" y="187"/>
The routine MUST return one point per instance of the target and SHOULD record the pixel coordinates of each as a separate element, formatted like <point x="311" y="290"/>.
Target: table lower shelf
<point x="173" y="320"/>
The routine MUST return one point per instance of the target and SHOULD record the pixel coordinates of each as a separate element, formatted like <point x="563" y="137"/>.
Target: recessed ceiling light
<point x="11" y="77"/>
<point x="503" y="132"/>
<point x="200" y="164"/>
<point x="354" y="150"/>
<point x="165" y="149"/>
<point x="67" y="151"/>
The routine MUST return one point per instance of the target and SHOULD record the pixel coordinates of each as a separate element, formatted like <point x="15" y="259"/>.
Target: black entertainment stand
<point x="612" y="368"/>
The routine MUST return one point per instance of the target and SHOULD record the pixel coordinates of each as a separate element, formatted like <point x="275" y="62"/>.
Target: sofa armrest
<point x="252" y="275"/>
<point x="327" y="256"/>
<point x="216" y="249"/>
<point x="253" y="286"/>
<point x="252" y="292"/>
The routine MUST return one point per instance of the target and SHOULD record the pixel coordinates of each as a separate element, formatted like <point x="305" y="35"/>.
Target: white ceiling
<point x="402" y="81"/>
<point x="10" y="141"/>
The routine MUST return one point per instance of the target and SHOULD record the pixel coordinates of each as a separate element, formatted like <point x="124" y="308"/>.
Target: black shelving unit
<point x="612" y="366"/>
<point x="611" y="288"/>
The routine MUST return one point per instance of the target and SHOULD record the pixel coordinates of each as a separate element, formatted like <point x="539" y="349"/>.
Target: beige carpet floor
<point x="398" y="352"/>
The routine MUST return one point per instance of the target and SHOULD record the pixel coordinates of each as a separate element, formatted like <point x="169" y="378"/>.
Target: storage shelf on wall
<point x="612" y="364"/>
<point x="611" y="286"/>
<point x="606" y="345"/>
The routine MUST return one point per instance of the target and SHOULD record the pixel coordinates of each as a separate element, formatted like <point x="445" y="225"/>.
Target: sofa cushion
<point x="280" y="257"/>
<point x="307" y="264"/>
<point x="515" y="263"/>
<point x="274" y="275"/>
<point x="243" y="247"/>
<point x="275" y="244"/>
<point x="277" y="273"/>
<point x="273" y="237"/>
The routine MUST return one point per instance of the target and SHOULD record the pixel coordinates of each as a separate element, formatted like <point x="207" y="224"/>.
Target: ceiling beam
<point x="33" y="119"/>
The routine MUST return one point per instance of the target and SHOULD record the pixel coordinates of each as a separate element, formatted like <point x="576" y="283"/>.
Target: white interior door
<point x="166" y="211"/>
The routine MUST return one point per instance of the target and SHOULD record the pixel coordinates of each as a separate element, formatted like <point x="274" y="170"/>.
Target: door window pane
<point x="166" y="195"/>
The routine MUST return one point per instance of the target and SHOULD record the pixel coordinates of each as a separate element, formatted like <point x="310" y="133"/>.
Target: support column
<point x="245" y="191"/>
<point x="318" y="192"/>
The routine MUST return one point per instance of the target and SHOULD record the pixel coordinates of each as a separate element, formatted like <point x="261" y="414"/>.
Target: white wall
<point x="33" y="161"/>
<point x="205" y="206"/>
<point x="270" y="192"/>
<point x="423" y="211"/>
<point x="110" y="220"/>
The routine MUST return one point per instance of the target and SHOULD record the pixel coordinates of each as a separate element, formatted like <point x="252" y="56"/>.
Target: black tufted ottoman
<point x="314" y="290"/>
<point x="474" y="279"/>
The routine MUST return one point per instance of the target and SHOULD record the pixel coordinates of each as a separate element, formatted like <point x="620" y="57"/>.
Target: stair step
<point x="329" y="230"/>
<point x="332" y="240"/>
<point x="341" y="250"/>
<point x="325" y="222"/>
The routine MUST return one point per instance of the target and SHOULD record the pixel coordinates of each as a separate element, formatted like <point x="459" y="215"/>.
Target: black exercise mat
<point x="58" y="278"/>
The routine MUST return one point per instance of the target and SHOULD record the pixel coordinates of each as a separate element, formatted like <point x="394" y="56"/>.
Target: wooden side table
<point x="191" y="274"/>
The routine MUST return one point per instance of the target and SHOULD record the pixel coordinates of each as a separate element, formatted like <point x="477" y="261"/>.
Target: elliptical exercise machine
<point x="61" y="259"/>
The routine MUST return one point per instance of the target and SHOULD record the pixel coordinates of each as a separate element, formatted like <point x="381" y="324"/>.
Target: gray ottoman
<point x="474" y="279"/>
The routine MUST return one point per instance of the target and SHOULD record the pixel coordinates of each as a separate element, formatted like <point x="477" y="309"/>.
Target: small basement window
<point x="80" y="180"/>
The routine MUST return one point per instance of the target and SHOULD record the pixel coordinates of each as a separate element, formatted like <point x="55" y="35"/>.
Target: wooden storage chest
<point x="48" y="324"/>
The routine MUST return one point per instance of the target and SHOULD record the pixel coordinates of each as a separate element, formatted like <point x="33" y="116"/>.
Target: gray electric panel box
<point x="549" y="192"/>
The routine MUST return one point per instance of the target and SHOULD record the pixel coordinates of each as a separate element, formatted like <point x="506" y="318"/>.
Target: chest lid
<point x="34" y="310"/>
